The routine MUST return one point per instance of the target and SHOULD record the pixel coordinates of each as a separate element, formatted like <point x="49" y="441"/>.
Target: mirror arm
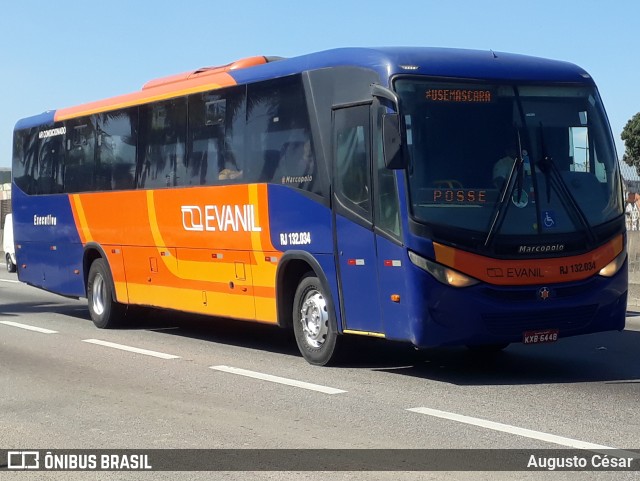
<point x="379" y="91"/>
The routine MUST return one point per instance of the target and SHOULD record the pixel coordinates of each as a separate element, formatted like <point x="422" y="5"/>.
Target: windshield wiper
<point x="507" y="192"/>
<point x="553" y="176"/>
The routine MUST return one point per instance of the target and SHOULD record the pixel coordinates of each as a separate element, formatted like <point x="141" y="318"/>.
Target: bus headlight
<point x="612" y="268"/>
<point x="442" y="274"/>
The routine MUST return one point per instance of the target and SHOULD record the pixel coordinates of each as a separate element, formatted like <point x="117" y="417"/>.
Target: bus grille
<point x="566" y="319"/>
<point x="531" y="293"/>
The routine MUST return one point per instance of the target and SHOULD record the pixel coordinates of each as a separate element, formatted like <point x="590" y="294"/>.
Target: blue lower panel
<point x="47" y="243"/>
<point x="53" y="270"/>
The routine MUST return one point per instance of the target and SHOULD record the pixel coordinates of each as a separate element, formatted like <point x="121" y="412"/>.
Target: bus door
<point x="355" y="238"/>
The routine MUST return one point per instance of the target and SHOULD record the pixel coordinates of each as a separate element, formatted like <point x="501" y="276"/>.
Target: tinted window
<point x="116" y="155"/>
<point x="161" y="152"/>
<point x="386" y="199"/>
<point x="80" y="141"/>
<point x="25" y="159"/>
<point x="352" y="180"/>
<point x="216" y="138"/>
<point x="51" y="161"/>
<point x="279" y="137"/>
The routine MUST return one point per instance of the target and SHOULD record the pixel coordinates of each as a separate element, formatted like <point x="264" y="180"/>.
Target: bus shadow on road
<point x="18" y="309"/>
<point x="231" y="332"/>
<point x="605" y="357"/>
<point x="601" y="357"/>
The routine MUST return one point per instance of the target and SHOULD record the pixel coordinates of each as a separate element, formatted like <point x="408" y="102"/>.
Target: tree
<point x="631" y="136"/>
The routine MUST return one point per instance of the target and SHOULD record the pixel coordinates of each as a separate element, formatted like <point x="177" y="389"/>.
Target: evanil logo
<point x="221" y="218"/>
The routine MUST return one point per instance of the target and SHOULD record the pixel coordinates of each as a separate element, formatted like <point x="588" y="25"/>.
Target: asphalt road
<point x="178" y="381"/>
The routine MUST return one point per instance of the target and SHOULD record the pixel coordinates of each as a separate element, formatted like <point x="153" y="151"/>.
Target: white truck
<point x="7" y="244"/>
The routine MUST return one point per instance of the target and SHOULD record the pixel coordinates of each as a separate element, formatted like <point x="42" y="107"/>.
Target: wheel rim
<point x="97" y="295"/>
<point x="314" y="318"/>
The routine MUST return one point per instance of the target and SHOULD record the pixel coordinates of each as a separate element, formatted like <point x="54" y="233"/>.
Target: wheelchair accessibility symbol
<point x="548" y="219"/>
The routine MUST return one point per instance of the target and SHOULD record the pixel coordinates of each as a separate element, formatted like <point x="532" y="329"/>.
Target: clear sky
<point x="61" y="53"/>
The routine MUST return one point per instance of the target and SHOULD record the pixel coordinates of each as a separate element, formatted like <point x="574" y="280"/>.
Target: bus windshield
<point x="509" y="160"/>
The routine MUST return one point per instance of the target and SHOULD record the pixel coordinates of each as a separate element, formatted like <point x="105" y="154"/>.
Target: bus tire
<point x="314" y="323"/>
<point x="11" y="267"/>
<point x="105" y="312"/>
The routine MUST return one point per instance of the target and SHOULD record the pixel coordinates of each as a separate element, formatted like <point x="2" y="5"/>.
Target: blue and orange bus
<point x="436" y="196"/>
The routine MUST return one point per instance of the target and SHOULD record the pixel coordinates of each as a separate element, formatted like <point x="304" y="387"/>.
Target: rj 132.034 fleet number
<point x="295" y="238"/>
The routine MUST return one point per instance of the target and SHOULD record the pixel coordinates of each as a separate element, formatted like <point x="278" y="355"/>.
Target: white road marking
<point x="9" y="280"/>
<point x="137" y="350"/>
<point x="29" y="328"/>
<point x="527" y="433"/>
<point x="277" y="379"/>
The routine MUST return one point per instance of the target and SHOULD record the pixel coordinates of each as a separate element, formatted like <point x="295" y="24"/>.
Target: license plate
<point x="539" y="337"/>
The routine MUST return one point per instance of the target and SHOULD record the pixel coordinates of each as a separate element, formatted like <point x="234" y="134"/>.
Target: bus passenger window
<point x="279" y="135"/>
<point x="79" y="174"/>
<point x="117" y="141"/>
<point x="215" y="145"/>
<point x="25" y="159"/>
<point x="161" y="151"/>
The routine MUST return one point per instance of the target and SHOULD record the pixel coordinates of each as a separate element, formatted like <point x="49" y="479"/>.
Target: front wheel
<point x="314" y="323"/>
<point x="11" y="267"/>
<point x="105" y="312"/>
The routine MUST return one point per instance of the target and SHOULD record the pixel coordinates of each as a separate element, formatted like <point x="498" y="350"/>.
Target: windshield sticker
<point x="548" y="219"/>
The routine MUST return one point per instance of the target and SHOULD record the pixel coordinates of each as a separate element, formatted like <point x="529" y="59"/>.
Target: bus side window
<point x="353" y="182"/>
<point x="352" y="154"/>
<point x="117" y="141"/>
<point x="216" y="145"/>
<point x="51" y="166"/>
<point x="161" y="148"/>
<point x="279" y="135"/>
<point x="80" y="139"/>
<point x="25" y="159"/>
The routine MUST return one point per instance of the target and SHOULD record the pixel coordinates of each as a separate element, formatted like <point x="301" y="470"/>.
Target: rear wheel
<point x="11" y="267"/>
<point x="314" y="323"/>
<point x="105" y="312"/>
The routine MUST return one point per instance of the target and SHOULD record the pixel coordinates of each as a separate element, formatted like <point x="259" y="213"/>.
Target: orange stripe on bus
<point x="80" y="219"/>
<point x="529" y="271"/>
<point x="213" y="287"/>
<point x="156" y="94"/>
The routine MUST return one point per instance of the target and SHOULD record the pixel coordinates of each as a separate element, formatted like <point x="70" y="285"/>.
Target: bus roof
<point x="386" y="61"/>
